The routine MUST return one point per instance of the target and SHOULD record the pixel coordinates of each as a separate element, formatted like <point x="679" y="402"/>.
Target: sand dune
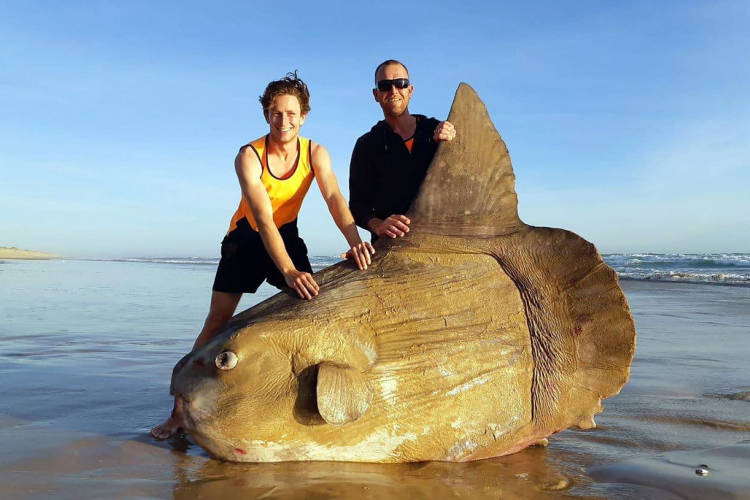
<point x="17" y="253"/>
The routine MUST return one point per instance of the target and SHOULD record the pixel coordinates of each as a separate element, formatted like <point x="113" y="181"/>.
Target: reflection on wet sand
<point x="97" y="467"/>
<point x="524" y="475"/>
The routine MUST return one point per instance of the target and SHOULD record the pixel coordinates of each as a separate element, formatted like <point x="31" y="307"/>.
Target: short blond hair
<point x="390" y="62"/>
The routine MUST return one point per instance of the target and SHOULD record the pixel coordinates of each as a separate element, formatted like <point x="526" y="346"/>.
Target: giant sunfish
<point x="474" y="336"/>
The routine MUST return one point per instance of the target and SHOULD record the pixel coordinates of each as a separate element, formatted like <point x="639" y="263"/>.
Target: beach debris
<point x="558" y="483"/>
<point x="740" y="396"/>
<point x="474" y="336"/>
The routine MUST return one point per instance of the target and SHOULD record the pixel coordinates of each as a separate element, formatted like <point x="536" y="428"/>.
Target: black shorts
<point x="245" y="263"/>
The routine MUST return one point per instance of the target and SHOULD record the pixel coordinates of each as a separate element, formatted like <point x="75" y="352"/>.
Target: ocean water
<point x="719" y="268"/>
<point x="724" y="268"/>
<point x="87" y="348"/>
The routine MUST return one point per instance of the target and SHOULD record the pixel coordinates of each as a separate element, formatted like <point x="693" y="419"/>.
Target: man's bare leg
<point x="222" y="309"/>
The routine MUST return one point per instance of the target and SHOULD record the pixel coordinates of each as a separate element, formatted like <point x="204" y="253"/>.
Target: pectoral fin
<point x="344" y="394"/>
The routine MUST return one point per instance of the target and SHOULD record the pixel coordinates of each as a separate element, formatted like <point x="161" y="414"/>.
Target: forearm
<point x="361" y="213"/>
<point x="361" y="181"/>
<point x="302" y="282"/>
<point x="275" y="247"/>
<point x="373" y="224"/>
<point x="344" y="220"/>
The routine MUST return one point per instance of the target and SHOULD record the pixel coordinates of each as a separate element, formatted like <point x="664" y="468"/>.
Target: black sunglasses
<point x="386" y="85"/>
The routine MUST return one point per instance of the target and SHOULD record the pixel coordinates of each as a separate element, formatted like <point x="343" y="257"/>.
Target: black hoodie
<point x="383" y="175"/>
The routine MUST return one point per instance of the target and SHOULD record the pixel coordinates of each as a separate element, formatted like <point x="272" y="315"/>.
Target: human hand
<point x="394" y="226"/>
<point x="361" y="254"/>
<point x="444" y="132"/>
<point x="303" y="283"/>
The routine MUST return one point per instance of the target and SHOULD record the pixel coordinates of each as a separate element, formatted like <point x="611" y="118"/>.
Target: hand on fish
<point x="303" y="283"/>
<point x="361" y="253"/>
<point x="394" y="226"/>
<point x="444" y="132"/>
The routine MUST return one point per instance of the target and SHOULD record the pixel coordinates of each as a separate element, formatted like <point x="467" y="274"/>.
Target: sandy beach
<point x="87" y="348"/>
<point x="17" y="253"/>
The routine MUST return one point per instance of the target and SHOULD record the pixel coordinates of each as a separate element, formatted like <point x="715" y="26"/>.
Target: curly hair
<point x="291" y="85"/>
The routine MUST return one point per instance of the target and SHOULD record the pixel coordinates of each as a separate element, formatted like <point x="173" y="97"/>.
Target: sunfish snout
<point x="195" y="387"/>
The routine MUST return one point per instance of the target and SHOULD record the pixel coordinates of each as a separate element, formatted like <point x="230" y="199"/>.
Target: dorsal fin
<point x="470" y="186"/>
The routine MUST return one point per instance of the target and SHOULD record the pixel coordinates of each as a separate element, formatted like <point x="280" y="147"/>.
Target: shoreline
<point x="14" y="253"/>
<point x="628" y="279"/>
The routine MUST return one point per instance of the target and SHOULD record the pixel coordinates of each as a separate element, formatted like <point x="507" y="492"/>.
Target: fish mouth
<point x="198" y="424"/>
<point x="186" y="415"/>
<point x="195" y="404"/>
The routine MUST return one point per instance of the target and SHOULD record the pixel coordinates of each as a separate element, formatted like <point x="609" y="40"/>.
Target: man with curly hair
<point x="275" y="172"/>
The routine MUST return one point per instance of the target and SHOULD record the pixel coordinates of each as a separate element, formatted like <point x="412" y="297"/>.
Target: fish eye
<point x="226" y="360"/>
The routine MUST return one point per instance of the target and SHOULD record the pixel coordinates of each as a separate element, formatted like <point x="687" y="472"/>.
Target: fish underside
<point x="474" y="336"/>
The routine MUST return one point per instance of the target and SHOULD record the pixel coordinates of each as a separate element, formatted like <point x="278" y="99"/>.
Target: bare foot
<point x="169" y="428"/>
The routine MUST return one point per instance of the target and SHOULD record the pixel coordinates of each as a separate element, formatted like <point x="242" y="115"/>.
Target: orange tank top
<point x="286" y="193"/>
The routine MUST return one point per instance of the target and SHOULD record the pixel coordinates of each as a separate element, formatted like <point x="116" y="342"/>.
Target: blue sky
<point x="627" y="122"/>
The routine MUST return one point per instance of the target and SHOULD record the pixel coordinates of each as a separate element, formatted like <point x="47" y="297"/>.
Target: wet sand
<point x="85" y="374"/>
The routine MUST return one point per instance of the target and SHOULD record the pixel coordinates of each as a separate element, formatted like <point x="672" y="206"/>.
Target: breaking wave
<point x="724" y="268"/>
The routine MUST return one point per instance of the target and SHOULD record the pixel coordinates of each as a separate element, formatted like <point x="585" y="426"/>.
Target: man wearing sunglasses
<point x="390" y="161"/>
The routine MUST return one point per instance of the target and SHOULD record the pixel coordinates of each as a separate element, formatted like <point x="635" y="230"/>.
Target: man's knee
<point x="223" y="302"/>
<point x="217" y="317"/>
<point x="222" y="308"/>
